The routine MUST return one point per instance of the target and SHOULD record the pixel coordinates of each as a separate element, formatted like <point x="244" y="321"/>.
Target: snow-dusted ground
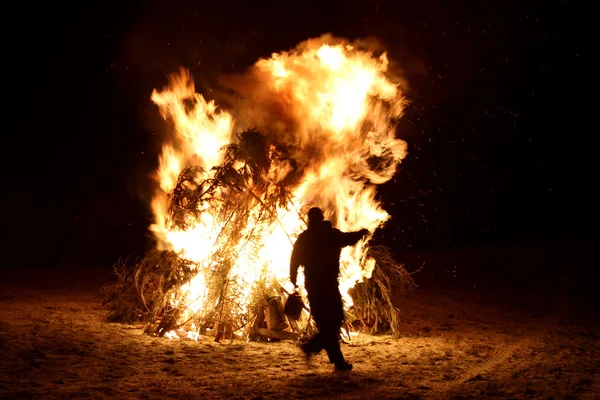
<point x="56" y="344"/>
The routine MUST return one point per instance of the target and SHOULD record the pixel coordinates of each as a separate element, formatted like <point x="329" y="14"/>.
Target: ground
<point x="56" y="344"/>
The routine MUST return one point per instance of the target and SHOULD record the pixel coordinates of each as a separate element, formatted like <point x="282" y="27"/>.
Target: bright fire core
<point x="335" y="104"/>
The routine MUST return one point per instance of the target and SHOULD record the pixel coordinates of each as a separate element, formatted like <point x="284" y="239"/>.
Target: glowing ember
<point x="333" y="106"/>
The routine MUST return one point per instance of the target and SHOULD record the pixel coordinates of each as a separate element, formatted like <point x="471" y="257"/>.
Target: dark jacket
<point x="318" y="250"/>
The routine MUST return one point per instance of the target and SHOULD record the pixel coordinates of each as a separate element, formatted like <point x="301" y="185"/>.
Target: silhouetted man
<point x="318" y="251"/>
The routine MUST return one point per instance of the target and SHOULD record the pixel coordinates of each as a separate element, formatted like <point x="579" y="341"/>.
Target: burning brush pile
<point x="314" y="126"/>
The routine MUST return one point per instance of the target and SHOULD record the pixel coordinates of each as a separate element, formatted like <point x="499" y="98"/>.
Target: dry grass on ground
<point x="55" y="344"/>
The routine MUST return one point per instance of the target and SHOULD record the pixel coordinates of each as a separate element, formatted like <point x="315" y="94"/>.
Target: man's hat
<point x="315" y="214"/>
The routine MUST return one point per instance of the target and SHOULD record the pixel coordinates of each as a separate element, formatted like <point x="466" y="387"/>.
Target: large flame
<point x="334" y="103"/>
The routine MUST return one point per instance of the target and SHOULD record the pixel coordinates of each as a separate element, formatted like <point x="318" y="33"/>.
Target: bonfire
<point x="314" y="126"/>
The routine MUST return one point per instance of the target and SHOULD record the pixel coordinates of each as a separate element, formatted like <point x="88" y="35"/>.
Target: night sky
<point x="499" y="124"/>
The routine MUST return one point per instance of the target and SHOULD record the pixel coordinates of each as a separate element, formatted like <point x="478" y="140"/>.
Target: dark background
<point x="500" y="180"/>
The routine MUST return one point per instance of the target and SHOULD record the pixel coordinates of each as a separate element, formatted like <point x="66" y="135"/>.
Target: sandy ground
<point x="55" y="344"/>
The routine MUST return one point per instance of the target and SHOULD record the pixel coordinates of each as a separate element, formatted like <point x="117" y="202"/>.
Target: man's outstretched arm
<point x="351" y="238"/>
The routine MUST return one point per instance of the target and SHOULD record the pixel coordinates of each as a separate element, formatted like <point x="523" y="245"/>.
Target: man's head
<point x="315" y="216"/>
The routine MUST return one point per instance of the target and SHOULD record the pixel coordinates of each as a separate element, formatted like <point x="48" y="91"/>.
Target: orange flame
<point x="334" y="103"/>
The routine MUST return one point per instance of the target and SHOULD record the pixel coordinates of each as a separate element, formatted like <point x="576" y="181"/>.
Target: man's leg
<point x="332" y="347"/>
<point x="330" y="329"/>
<point x="314" y="345"/>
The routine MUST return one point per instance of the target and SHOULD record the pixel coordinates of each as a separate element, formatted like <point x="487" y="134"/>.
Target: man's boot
<point x="343" y="366"/>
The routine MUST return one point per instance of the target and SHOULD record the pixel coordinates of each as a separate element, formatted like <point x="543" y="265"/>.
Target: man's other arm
<point x="295" y="260"/>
